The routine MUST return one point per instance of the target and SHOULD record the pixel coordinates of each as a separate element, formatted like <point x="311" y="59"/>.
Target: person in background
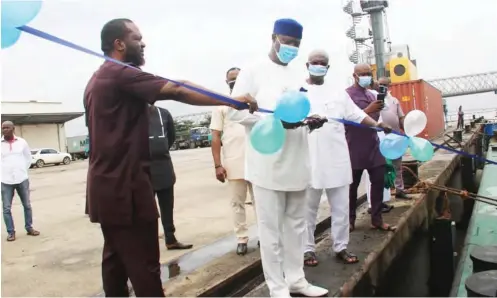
<point x="120" y="193"/>
<point x="385" y="208"/>
<point x="280" y="179"/>
<point x="16" y="160"/>
<point x="232" y="137"/>
<point x="364" y="149"/>
<point x="445" y="110"/>
<point x="460" y="118"/>
<point x="331" y="174"/>
<point x="161" y="137"/>
<point x="231" y="76"/>
<point x="393" y="115"/>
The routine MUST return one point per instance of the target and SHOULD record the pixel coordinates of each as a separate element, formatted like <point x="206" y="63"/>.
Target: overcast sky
<point x="199" y="40"/>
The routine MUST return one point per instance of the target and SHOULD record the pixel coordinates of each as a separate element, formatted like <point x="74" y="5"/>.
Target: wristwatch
<point x="217" y="166"/>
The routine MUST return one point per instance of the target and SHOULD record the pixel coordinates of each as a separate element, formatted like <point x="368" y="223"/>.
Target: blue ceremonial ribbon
<point x="219" y="97"/>
<point x="76" y="47"/>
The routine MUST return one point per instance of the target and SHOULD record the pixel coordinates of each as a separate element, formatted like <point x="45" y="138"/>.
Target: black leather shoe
<point x="241" y="249"/>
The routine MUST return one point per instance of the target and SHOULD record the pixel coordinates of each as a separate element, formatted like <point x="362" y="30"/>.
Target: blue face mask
<point x="287" y="53"/>
<point x="317" y="70"/>
<point x="364" y="81"/>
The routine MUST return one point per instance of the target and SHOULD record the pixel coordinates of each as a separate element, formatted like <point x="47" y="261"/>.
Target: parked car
<point x="45" y="156"/>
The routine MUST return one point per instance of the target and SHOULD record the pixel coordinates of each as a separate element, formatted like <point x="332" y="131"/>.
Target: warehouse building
<point x="41" y="124"/>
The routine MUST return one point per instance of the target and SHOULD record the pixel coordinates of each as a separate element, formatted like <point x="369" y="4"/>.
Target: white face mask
<point x="365" y="81"/>
<point x="317" y="70"/>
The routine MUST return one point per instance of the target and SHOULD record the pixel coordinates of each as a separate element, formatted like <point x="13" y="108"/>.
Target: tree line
<point x="183" y="127"/>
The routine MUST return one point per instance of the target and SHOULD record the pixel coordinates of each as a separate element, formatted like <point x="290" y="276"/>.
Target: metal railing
<point x="490" y="113"/>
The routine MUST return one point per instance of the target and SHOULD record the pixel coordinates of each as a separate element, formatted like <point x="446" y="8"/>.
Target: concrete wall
<point x="32" y="107"/>
<point x="410" y="272"/>
<point x="43" y="135"/>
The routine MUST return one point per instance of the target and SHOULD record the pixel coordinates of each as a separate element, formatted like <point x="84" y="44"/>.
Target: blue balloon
<point x="268" y="135"/>
<point x="421" y="149"/>
<point x="16" y="13"/>
<point x="393" y="146"/>
<point x="292" y="107"/>
<point x="9" y="36"/>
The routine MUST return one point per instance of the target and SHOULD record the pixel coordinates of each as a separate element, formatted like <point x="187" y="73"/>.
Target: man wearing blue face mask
<point x="279" y="180"/>
<point x="330" y="173"/>
<point x="364" y="149"/>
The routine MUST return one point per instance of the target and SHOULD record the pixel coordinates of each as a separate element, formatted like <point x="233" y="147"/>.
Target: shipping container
<point x="420" y="95"/>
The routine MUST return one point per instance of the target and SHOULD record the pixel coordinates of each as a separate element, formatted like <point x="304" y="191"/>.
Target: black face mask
<point x="231" y="84"/>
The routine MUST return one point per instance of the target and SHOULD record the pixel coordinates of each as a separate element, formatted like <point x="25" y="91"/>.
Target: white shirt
<point x="16" y="160"/>
<point x="287" y="169"/>
<point x="329" y="152"/>
<point x="392" y="112"/>
<point x="233" y="139"/>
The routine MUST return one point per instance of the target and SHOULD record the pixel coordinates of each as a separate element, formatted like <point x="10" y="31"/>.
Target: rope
<point x="425" y="186"/>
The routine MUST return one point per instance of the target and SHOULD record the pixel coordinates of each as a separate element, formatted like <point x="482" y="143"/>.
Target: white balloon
<point x="414" y="123"/>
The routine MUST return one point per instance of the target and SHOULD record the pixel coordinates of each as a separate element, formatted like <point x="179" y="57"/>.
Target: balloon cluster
<point x="16" y="13"/>
<point x="393" y="146"/>
<point x="268" y="134"/>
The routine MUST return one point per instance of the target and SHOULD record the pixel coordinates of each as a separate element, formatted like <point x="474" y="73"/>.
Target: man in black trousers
<point x="161" y="138"/>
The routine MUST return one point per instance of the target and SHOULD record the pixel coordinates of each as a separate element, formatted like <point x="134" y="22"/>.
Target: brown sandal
<point x="347" y="257"/>
<point x="310" y="259"/>
<point x="384" y="227"/>
<point x="11" y="237"/>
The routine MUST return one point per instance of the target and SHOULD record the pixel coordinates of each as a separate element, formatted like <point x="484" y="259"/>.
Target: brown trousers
<point x="132" y="252"/>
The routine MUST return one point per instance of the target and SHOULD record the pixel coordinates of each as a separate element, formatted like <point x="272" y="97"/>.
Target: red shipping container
<point x="420" y="95"/>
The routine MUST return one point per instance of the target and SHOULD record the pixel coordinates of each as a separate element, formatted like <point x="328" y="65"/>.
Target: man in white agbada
<point x="330" y="160"/>
<point x="279" y="180"/>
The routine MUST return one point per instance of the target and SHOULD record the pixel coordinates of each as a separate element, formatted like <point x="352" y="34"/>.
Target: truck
<point x="200" y="137"/>
<point x="182" y="142"/>
<point x="78" y="147"/>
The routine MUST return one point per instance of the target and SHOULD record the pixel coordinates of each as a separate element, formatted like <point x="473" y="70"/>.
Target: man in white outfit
<point x="331" y="170"/>
<point x="279" y="180"/>
<point x="232" y="136"/>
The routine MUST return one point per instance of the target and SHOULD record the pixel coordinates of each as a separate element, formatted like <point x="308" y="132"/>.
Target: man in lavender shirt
<point x="364" y="149"/>
<point x="393" y="115"/>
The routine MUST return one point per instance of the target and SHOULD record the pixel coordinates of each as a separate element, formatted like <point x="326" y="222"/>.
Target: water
<point x="483" y="104"/>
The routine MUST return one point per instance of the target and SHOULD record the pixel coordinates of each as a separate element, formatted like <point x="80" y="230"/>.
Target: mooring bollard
<point x="457" y="135"/>
<point x="409" y="179"/>
<point x="473" y="124"/>
<point x="484" y="258"/>
<point x="467" y="128"/>
<point x="482" y="284"/>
